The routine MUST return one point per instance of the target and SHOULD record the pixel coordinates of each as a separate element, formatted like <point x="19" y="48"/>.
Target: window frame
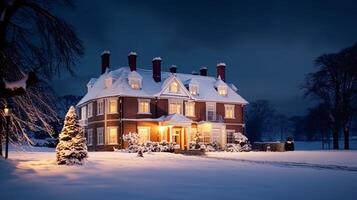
<point x="222" y="88"/>
<point x="90" y="110"/>
<point x="116" y="105"/>
<point x="149" y="133"/>
<point x="108" y="135"/>
<point x="175" y="101"/>
<point x="191" y="86"/>
<point x="89" y="141"/>
<point x="148" y="101"/>
<point x="100" y="104"/>
<point x="177" y="87"/>
<point x="84" y="112"/>
<point x="100" y="129"/>
<point x="214" y="116"/>
<point x="187" y="104"/>
<point x="229" y="106"/>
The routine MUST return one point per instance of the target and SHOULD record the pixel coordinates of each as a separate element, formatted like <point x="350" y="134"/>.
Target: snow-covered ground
<point x="115" y="175"/>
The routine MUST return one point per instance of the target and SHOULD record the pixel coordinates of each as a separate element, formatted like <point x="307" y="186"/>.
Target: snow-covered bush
<point x="149" y="146"/>
<point x="72" y="148"/>
<point x="239" y="138"/>
<point x="132" y="139"/>
<point x="204" y="147"/>
<point x="240" y="143"/>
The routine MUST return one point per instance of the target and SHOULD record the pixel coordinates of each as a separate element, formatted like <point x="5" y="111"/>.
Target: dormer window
<point x="193" y="89"/>
<point x="174" y="87"/>
<point x="108" y="82"/>
<point x="222" y="91"/>
<point x="135" y="80"/>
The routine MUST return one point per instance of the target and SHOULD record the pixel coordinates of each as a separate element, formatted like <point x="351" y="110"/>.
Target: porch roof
<point x="176" y="119"/>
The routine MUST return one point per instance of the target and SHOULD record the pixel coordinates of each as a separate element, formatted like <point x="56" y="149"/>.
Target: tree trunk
<point x="335" y="137"/>
<point x="346" y="134"/>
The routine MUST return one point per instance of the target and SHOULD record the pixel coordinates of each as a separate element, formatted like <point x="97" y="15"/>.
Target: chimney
<point x="105" y="61"/>
<point x="132" y="61"/>
<point x="221" y="71"/>
<point x="156" y="69"/>
<point x="173" y="69"/>
<point x="203" y="71"/>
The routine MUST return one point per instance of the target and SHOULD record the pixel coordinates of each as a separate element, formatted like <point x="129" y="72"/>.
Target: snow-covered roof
<point x="134" y="75"/>
<point x="219" y="83"/>
<point x="176" y="119"/>
<point x="151" y="89"/>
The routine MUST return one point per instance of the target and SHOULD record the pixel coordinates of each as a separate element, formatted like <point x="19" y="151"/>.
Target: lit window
<point x="112" y="106"/>
<point x="112" y="135"/>
<point x="90" y="137"/>
<point x="229" y="111"/>
<point x="90" y="109"/>
<point x="135" y="84"/>
<point x="100" y="138"/>
<point x="84" y="112"/>
<point x="175" y="107"/>
<point x="222" y="91"/>
<point x="100" y="106"/>
<point x="174" y="88"/>
<point x="190" y="109"/>
<point x="194" y="89"/>
<point x="144" y="134"/>
<point x="144" y="106"/>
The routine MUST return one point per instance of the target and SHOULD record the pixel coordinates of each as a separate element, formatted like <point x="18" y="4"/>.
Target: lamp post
<point x="7" y="113"/>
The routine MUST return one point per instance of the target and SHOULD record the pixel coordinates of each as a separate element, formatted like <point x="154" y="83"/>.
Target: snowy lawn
<point x="114" y="175"/>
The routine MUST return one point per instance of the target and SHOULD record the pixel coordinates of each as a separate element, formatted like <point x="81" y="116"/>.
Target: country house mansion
<point x="159" y="105"/>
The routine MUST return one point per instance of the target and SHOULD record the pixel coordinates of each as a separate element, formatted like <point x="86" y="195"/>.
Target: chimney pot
<point x="221" y="71"/>
<point x="173" y="69"/>
<point x="132" y="61"/>
<point x="105" y="61"/>
<point x="156" y="69"/>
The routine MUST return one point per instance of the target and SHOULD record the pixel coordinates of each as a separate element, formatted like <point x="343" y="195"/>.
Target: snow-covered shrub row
<point x="240" y="143"/>
<point x="214" y="146"/>
<point x="148" y="146"/>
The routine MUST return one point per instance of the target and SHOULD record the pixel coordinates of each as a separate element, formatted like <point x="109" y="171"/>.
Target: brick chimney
<point x="221" y="71"/>
<point x="203" y="71"/>
<point x="173" y="69"/>
<point x="105" y="60"/>
<point x="132" y="61"/>
<point x="156" y="69"/>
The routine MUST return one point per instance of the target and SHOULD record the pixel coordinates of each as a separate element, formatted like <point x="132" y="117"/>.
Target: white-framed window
<point x="144" y="106"/>
<point x="190" y="109"/>
<point x="89" y="137"/>
<point x="112" y="105"/>
<point x="112" y="135"/>
<point x="174" y="87"/>
<point x="211" y="111"/>
<point x="222" y="90"/>
<point x="144" y="134"/>
<point x="175" y="106"/>
<point x="100" y="107"/>
<point x="230" y="133"/>
<point x="90" y="110"/>
<point x="100" y="136"/>
<point x="206" y="134"/>
<point x="84" y="112"/>
<point x="135" y="84"/>
<point x="229" y="111"/>
<point x="193" y="89"/>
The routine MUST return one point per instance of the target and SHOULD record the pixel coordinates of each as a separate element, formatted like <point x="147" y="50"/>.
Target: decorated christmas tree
<point x="72" y="148"/>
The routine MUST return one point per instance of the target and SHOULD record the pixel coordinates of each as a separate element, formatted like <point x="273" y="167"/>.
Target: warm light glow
<point x="7" y="111"/>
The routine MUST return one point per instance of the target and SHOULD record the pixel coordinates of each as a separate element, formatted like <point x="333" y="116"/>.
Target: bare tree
<point x="335" y="84"/>
<point x="34" y="45"/>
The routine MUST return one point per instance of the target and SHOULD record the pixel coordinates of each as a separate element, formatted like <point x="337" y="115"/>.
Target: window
<point x="100" y="107"/>
<point x="222" y="91"/>
<point x="90" y="109"/>
<point x="144" y="106"/>
<point x="135" y="84"/>
<point x="190" y="109"/>
<point x="100" y="134"/>
<point x="211" y="111"/>
<point x="194" y="89"/>
<point x="112" y="135"/>
<point x="108" y="82"/>
<point x="112" y="106"/>
<point x="174" y="87"/>
<point x="144" y="134"/>
<point x="206" y="133"/>
<point x="229" y="111"/>
<point x="84" y="112"/>
<point x="175" y="107"/>
<point x="90" y="137"/>
<point x="230" y="138"/>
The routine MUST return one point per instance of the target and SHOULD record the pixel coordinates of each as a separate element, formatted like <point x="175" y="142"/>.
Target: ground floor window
<point x="112" y="135"/>
<point x="100" y="136"/>
<point x="90" y="137"/>
<point x="230" y="136"/>
<point x="144" y="134"/>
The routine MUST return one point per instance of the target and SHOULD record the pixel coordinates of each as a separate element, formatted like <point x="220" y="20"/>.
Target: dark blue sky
<point x="269" y="46"/>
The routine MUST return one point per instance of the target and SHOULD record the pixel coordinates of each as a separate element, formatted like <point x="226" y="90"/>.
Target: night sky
<point x="268" y="46"/>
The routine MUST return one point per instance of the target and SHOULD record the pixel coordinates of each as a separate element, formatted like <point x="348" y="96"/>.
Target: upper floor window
<point x="222" y="91"/>
<point x="175" y="107"/>
<point x="84" y="112"/>
<point x="194" y="89"/>
<point x="135" y="84"/>
<point x="190" y="109"/>
<point x="144" y="106"/>
<point x="100" y="136"/>
<point x="108" y="82"/>
<point x="90" y="137"/>
<point x="100" y="107"/>
<point x="112" y="106"/>
<point x="135" y="80"/>
<point x="174" y="87"/>
<point x="90" y="110"/>
<point x="211" y="111"/>
<point x="229" y="111"/>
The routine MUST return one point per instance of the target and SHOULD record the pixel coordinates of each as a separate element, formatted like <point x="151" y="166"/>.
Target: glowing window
<point x="135" y="84"/>
<point x="190" y="109"/>
<point x="175" y="107"/>
<point x="174" y="87"/>
<point x="112" y="135"/>
<point x="229" y="111"/>
<point x="144" y="106"/>
<point x="144" y="134"/>
<point x="112" y="106"/>
<point x="194" y="89"/>
<point x="222" y="91"/>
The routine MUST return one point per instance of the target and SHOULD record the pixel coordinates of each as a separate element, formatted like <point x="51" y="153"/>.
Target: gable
<point x="172" y="86"/>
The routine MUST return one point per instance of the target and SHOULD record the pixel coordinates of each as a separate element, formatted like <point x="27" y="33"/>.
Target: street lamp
<point x="7" y="113"/>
